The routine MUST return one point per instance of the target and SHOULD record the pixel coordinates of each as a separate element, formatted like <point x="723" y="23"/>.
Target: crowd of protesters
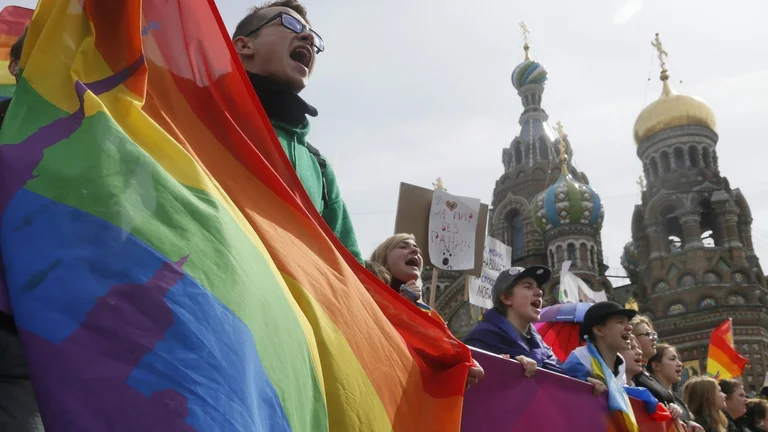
<point x="278" y="49"/>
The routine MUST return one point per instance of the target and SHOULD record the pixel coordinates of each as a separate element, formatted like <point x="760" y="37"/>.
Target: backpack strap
<point x="323" y="166"/>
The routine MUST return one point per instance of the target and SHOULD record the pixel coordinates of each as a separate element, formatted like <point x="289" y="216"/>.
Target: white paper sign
<point x="452" y="231"/>
<point x="496" y="257"/>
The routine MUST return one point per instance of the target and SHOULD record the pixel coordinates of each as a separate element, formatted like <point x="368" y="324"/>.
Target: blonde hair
<point x="378" y="262"/>
<point x="640" y="319"/>
<point x="700" y="395"/>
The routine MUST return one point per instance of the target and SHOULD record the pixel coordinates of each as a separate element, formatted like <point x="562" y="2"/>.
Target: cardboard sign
<point x="413" y="208"/>
<point x="452" y="231"/>
<point x="496" y="257"/>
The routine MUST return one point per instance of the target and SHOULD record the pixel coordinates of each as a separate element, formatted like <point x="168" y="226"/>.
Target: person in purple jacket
<point x="506" y="329"/>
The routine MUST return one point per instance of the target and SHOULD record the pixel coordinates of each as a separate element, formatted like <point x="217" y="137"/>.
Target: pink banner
<point x="504" y="400"/>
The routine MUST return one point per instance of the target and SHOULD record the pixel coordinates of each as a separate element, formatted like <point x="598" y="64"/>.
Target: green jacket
<point x="333" y="209"/>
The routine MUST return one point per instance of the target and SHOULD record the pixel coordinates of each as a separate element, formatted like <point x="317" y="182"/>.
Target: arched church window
<point x="584" y="255"/>
<point x="706" y="157"/>
<point x="518" y="154"/>
<point x="735" y="299"/>
<point x="711" y="278"/>
<point x="687" y="281"/>
<point x="654" y="167"/>
<point x="676" y="309"/>
<point x="664" y="156"/>
<point x="543" y="151"/>
<point x="560" y="252"/>
<point x="693" y="156"/>
<point x="738" y="278"/>
<point x="707" y="303"/>
<point x="708" y="239"/>
<point x="714" y="161"/>
<point x="572" y="252"/>
<point x="551" y="259"/>
<point x="593" y="256"/>
<point x="679" y="155"/>
<point x="527" y="154"/>
<point x="516" y="238"/>
<point x="661" y="287"/>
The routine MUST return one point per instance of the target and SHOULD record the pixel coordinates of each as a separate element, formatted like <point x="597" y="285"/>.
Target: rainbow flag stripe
<point x="165" y="267"/>
<point x="13" y="21"/>
<point x="723" y="361"/>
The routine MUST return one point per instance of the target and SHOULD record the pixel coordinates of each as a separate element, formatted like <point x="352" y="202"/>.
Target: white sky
<point x="412" y="90"/>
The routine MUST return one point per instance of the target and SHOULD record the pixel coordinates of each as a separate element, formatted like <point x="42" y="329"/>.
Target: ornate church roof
<point x="567" y="201"/>
<point x="671" y="109"/>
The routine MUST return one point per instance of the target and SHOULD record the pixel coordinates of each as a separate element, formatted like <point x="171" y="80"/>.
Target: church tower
<point x="570" y="214"/>
<point x="533" y="168"/>
<point x="691" y="257"/>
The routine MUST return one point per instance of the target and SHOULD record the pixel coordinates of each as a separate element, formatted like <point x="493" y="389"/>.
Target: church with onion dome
<point x="542" y="206"/>
<point x="691" y="261"/>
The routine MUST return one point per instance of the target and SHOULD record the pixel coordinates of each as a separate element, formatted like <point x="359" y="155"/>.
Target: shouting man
<point x="278" y="49"/>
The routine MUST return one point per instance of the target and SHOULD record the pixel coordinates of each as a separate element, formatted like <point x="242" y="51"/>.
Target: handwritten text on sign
<point x="452" y="230"/>
<point x="496" y="257"/>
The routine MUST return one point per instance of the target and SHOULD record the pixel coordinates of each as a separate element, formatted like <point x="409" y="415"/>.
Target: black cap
<point x="599" y="313"/>
<point x="513" y="275"/>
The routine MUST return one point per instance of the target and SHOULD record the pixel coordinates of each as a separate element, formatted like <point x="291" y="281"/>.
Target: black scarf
<point x="280" y="102"/>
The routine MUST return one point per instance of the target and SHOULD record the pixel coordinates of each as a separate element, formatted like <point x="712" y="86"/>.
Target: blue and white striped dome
<point x="528" y="72"/>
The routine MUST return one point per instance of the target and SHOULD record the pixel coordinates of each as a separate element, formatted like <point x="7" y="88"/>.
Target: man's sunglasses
<point x="292" y="23"/>
<point x="651" y="335"/>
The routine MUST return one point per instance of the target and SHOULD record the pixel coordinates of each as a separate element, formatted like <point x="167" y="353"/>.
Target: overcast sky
<point x="411" y="90"/>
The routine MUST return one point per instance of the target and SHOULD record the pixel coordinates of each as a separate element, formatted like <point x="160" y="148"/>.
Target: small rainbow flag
<point x="723" y="361"/>
<point x="13" y="21"/>
<point x="165" y="267"/>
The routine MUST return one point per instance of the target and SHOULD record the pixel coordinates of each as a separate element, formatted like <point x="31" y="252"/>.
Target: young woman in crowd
<point x="756" y="418"/>
<point x="703" y="397"/>
<point x="642" y="328"/>
<point x="666" y="370"/>
<point x="633" y="359"/>
<point x="398" y="263"/>
<point x="735" y="403"/>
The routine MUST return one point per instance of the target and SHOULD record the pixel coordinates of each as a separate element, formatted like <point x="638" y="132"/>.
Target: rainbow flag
<point x="165" y="267"/>
<point x="13" y="21"/>
<point x="723" y="361"/>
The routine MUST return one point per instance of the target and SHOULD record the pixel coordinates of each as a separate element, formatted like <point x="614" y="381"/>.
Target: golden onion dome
<point x="671" y="109"/>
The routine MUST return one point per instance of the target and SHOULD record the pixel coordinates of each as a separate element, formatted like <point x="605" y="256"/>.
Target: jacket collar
<point x="280" y="102"/>
<point x="501" y="324"/>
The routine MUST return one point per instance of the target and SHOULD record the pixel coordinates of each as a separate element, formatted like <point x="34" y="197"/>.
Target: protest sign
<point x="453" y="231"/>
<point x="413" y="211"/>
<point x="496" y="257"/>
<point x="505" y="400"/>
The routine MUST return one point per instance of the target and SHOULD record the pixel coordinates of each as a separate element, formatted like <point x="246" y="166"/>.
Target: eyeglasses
<point x="292" y="23"/>
<point x="650" y="335"/>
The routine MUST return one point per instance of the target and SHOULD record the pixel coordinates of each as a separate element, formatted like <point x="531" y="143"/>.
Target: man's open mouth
<point x="302" y="55"/>
<point x="536" y="303"/>
<point x="626" y="336"/>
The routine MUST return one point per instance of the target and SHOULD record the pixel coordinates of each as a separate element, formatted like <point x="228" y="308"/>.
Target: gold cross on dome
<point x="526" y="32"/>
<point x="662" y="52"/>
<point x="563" y="155"/>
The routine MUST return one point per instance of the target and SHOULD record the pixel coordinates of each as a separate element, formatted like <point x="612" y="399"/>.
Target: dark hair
<point x="729" y="386"/>
<point x="18" y="46"/>
<point x="252" y="20"/>
<point x="757" y="409"/>
<point x="661" y="349"/>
